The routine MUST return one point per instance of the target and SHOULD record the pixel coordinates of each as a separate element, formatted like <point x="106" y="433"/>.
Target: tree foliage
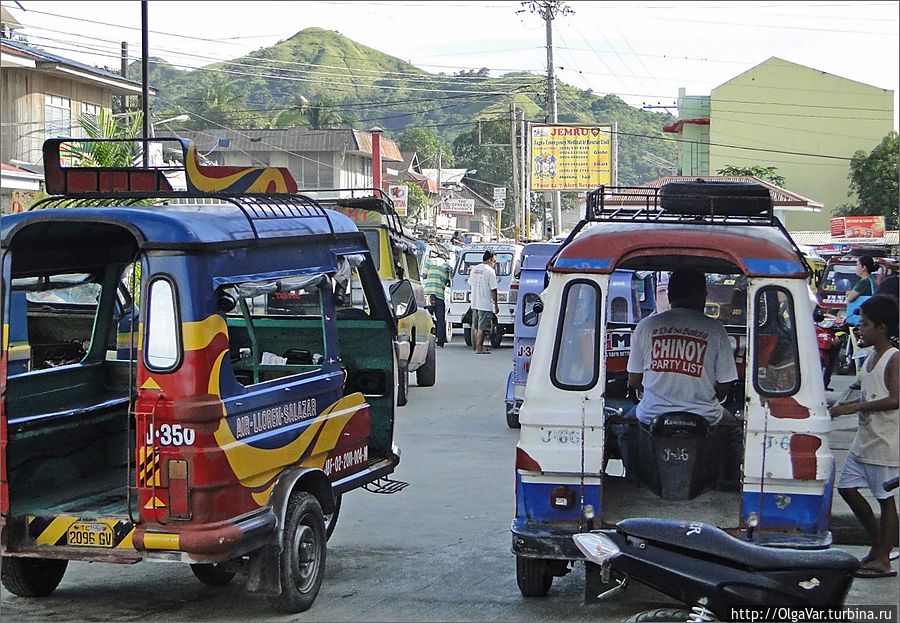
<point x="770" y="174"/>
<point x="416" y="200"/>
<point x="427" y="144"/>
<point x="873" y="179"/>
<point x="484" y="149"/>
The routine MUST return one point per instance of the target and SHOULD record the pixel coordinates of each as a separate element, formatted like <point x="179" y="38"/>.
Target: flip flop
<point x="869" y="572"/>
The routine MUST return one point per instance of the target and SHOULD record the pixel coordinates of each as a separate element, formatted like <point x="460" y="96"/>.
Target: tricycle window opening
<point x="373" y="241"/>
<point x="530" y="316"/>
<point x="277" y="330"/>
<point x="576" y="361"/>
<point x="163" y="343"/>
<point x="776" y="359"/>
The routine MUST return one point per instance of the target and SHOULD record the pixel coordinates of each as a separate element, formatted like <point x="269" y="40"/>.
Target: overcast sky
<point x="642" y="51"/>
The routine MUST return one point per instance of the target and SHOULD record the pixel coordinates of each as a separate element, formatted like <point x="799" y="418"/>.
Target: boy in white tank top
<point x="874" y="456"/>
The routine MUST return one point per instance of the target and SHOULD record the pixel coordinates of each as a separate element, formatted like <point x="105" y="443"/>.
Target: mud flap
<point x="263" y="574"/>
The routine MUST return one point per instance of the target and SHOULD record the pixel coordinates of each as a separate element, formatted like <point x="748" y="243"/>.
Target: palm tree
<point x="104" y="125"/>
<point x="294" y="116"/>
<point x="324" y="114"/>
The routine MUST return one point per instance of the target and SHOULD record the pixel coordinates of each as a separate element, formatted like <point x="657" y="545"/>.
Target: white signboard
<point x="400" y="196"/>
<point x="499" y="193"/>
<point x="458" y="206"/>
<point x="499" y="204"/>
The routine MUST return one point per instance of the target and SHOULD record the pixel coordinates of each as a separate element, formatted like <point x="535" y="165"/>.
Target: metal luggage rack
<point x="374" y="199"/>
<point x="608" y="204"/>
<point x="253" y="207"/>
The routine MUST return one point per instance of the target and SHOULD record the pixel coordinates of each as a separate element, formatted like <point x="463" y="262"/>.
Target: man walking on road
<point x="483" y="283"/>
<point x="437" y="276"/>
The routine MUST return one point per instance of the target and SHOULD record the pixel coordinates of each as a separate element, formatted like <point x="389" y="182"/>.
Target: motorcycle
<point x="710" y="571"/>
<point x="831" y="335"/>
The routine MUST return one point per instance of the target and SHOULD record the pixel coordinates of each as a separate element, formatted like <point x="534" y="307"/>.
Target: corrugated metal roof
<point x="782" y="199"/>
<point x="41" y="56"/>
<point x="291" y="140"/>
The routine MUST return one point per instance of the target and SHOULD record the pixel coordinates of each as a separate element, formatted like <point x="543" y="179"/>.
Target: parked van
<point x="229" y="438"/>
<point x="397" y="257"/>
<point x="569" y="475"/>
<point x="507" y="257"/>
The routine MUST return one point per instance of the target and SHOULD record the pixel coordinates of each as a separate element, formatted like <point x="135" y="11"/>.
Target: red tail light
<point x="179" y="496"/>
<point x="513" y="293"/>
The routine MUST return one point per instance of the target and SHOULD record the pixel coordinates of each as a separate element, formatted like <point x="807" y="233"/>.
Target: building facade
<point x="804" y="122"/>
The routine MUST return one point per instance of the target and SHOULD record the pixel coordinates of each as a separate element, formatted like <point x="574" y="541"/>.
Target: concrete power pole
<point x="548" y="10"/>
<point x="515" y="168"/>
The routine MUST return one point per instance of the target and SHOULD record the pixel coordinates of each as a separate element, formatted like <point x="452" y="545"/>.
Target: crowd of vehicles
<point x="243" y="405"/>
<point x="181" y="384"/>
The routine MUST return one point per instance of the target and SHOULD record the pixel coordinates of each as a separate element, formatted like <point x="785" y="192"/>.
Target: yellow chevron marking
<point x="198" y="335"/>
<point x="154" y="540"/>
<point x="150" y="384"/>
<point x="155" y="502"/>
<point x="55" y="530"/>
<point x="5" y="336"/>
<point x="127" y="543"/>
<point x="148" y="459"/>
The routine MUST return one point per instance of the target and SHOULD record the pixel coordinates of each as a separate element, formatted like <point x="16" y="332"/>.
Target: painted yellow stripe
<point x="198" y="335"/>
<point x="127" y="543"/>
<point x="5" y="336"/>
<point x="55" y="530"/>
<point x="156" y="540"/>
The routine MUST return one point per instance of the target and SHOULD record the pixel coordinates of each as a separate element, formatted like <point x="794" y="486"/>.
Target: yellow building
<point x="804" y="122"/>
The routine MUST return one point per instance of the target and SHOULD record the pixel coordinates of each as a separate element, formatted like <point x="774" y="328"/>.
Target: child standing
<point x="874" y="456"/>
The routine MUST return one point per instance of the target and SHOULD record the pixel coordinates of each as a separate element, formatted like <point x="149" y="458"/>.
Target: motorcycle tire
<point x="660" y="615"/>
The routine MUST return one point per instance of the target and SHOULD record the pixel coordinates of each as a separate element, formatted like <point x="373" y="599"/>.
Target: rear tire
<point x="212" y="575"/>
<point x="301" y="563"/>
<point x="32" y="577"/>
<point x="512" y="418"/>
<point x="403" y="386"/>
<point x="533" y="577"/>
<point x="660" y="615"/>
<point x="425" y="375"/>
<point x="467" y="336"/>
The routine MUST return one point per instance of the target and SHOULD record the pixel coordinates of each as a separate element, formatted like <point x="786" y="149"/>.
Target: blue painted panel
<point x="533" y="502"/>
<point x="766" y="266"/>
<point x="584" y="263"/>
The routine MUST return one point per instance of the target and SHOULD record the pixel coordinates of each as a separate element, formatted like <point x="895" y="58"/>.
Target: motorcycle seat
<point x="716" y="545"/>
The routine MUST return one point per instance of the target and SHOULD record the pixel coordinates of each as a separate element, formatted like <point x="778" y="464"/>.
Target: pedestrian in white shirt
<point x="483" y="284"/>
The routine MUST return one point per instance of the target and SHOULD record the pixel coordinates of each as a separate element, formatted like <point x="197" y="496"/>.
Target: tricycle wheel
<point x="512" y="418"/>
<point x="425" y="375"/>
<point x="332" y="517"/>
<point x="660" y="615"/>
<point x="32" y="577"/>
<point x="533" y="576"/>
<point x="467" y="336"/>
<point x="403" y="386"/>
<point x="212" y="575"/>
<point x="302" y="559"/>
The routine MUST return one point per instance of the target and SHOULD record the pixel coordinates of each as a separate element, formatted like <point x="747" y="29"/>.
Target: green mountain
<point x="355" y="85"/>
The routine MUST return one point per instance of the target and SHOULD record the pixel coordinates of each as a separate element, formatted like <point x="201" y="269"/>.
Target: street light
<point x="178" y="118"/>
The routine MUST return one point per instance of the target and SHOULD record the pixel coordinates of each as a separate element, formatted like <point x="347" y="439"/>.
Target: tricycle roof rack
<point x="700" y="202"/>
<point x="261" y="193"/>
<point x="374" y="200"/>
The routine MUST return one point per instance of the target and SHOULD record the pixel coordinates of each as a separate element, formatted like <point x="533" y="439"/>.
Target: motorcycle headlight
<point x="596" y="546"/>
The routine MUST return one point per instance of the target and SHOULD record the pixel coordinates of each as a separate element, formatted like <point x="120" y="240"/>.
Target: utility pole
<point x="548" y="10"/>
<point x="515" y="167"/>
<point x="523" y="186"/>
<point x="437" y="207"/>
<point x="145" y="81"/>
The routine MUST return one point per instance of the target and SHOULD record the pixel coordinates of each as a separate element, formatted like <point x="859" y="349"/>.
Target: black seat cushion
<point x="716" y="545"/>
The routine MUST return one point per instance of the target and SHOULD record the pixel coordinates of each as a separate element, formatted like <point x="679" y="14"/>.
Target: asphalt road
<point x="437" y="551"/>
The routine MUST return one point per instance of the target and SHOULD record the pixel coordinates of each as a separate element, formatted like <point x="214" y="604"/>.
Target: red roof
<point x="9" y="167"/>
<point x="678" y="125"/>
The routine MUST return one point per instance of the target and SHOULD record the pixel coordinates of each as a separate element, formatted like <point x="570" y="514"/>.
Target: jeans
<point x="439" y="311"/>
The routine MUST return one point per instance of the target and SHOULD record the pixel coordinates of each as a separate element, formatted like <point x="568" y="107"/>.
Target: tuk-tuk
<point x="507" y="257"/>
<point x="569" y="476"/>
<point x="227" y="430"/>
<point x="397" y="256"/>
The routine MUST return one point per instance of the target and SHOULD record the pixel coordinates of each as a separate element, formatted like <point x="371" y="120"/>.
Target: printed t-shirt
<point x="682" y="355"/>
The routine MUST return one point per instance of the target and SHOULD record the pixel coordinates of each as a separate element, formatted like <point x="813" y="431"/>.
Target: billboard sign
<point x="400" y="196"/>
<point x="858" y="229"/>
<point x="458" y="206"/>
<point x="571" y="157"/>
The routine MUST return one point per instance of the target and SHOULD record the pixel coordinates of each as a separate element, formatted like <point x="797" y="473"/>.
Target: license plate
<point x="89" y="534"/>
